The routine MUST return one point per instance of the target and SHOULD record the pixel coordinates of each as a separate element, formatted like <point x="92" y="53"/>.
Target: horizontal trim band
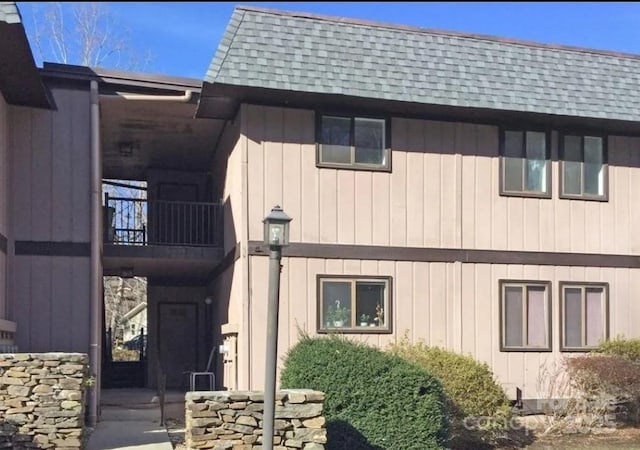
<point x="428" y="254"/>
<point x="50" y="248"/>
<point x="3" y="243"/>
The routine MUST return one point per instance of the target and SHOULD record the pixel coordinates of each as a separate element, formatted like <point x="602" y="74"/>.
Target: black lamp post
<point x="276" y="236"/>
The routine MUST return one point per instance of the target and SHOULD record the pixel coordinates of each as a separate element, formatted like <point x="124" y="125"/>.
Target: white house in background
<point x="132" y="322"/>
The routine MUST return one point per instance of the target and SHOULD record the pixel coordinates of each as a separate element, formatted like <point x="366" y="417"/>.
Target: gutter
<point x="186" y="97"/>
<point x="95" y="350"/>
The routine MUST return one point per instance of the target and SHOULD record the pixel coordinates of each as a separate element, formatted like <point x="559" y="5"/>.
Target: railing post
<point x="141" y="350"/>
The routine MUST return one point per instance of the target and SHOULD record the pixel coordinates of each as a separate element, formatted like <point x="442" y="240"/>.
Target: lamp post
<point x="276" y="236"/>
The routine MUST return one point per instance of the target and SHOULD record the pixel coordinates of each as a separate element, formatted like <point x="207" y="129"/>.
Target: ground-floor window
<point x="525" y="315"/>
<point x="584" y="315"/>
<point x="358" y="304"/>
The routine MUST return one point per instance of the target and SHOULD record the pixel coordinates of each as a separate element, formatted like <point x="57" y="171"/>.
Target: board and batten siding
<point x="50" y="202"/>
<point x="443" y="191"/>
<point x="451" y="305"/>
<point x="230" y="287"/>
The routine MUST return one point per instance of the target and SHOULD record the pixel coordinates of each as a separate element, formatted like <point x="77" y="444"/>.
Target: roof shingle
<point x="298" y="52"/>
<point x="9" y="12"/>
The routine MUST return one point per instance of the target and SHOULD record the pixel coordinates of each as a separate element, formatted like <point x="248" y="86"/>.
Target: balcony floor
<point x="162" y="261"/>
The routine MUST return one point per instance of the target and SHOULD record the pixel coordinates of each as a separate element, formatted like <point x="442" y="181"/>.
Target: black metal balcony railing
<point x="132" y="221"/>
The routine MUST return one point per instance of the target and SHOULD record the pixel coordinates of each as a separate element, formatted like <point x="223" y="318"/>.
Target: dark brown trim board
<point x="49" y="248"/>
<point x="427" y="254"/>
<point x="3" y="243"/>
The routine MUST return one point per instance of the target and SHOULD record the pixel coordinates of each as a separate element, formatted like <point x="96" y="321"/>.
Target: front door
<point x="178" y="341"/>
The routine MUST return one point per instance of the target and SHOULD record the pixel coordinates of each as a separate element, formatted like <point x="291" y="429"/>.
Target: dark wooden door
<point x="178" y="341"/>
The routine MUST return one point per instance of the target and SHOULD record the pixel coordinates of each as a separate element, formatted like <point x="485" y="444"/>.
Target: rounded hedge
<point x="468" y="384"/>
<point x="374" y="400"/>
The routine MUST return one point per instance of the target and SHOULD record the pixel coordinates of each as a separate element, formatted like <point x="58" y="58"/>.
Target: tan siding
<point x="453" y="305"/>
<point x="50" y="201"/>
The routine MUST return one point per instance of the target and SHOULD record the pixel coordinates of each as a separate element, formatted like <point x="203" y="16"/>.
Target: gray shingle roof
<point x="299" y="52"/>
<point x="9" y="12"/>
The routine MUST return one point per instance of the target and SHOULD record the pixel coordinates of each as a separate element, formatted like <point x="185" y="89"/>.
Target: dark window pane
<point x="336" y="304"/>
<point x="336" y="140"/>
<point x="536" y="317"/>
<point x="595" y="315"/>
<point x="370" y="305"/>
<point x="572" y="165"/>
<point x="513" y="316"/>
<point x="513" y="174"/>
<point x="369" y="141"/>
<point x="536" y="173"/>
<point x="573" y="317"/>
<point x="571" y="178"/>
<point x="593" y="166"/>
<point x="513" y="144"/>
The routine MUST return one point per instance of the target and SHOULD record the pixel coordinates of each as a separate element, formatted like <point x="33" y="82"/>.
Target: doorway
<point x="177" y="340"/>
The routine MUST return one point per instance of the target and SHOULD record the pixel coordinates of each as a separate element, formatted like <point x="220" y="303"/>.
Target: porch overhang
<point x="186" y="263"/>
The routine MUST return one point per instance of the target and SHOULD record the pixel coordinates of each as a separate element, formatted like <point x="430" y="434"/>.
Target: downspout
<point x="244" y="249"/>
<point x="96" y="258"/>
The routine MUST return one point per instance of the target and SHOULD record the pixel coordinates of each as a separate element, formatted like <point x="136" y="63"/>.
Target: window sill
<point x="362" y="167"/>
<point x="356" y="330"/>
<point x="577" y="349"/>
<point x="526" y="349"/>
<point x="603" y="198"/>
<point x="539" y="195"/>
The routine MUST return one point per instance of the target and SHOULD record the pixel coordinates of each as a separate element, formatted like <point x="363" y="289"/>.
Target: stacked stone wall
<point x="233" y="420"/>
<point x="42" y="400"/>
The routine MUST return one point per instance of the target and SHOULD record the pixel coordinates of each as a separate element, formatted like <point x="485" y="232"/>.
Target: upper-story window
<point x="525" y="164"/>
<point x="353" y="142"/>
<point x="583" y="171"/>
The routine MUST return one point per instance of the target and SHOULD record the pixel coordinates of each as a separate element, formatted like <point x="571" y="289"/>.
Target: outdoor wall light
<point x="276" y="228"/>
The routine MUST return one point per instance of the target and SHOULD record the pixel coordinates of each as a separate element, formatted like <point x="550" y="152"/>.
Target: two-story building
<point x="469" y="191"/>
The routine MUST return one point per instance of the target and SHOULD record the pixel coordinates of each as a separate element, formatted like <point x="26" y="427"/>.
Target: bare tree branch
<point x="94" y="38"/>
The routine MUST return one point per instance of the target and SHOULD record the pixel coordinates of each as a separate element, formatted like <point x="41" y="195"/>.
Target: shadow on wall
<point x="342" y="435"/>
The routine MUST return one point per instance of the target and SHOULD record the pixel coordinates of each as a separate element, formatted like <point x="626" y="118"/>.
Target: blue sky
<point x="182" y="37"/>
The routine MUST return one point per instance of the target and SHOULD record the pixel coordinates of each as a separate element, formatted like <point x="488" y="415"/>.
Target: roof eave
<point x="20" y="81"/>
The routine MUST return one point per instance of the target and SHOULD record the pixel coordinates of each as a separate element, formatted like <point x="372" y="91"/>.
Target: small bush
<point x="604" y="374"/>
<point x="626" y="348"/>
<point x="606" y="381"/>
<point x="373" y="400"/>
<point x="469" y="384"/>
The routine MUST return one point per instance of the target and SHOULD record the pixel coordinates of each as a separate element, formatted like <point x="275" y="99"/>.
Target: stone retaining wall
<point x="233" y="420"/>
<point x="42" y="401"/>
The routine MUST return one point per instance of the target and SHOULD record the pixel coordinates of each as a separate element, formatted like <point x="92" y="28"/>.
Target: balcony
<point x="161" y="238"/>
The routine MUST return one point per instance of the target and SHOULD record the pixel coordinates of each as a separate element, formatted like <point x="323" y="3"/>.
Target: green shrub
<point x="374" y="400"/>
<point x="626" y="348"/>
<point x="469" y="384"/>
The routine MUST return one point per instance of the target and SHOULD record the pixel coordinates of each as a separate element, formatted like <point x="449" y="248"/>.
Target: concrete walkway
<point x="130" y="419"/>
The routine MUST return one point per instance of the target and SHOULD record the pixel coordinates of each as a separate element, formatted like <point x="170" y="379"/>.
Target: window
<point x="525" y="316"/>
<point x="525" y="164"/>
<point x="358" y="304"/>
<point x="353" y="142"/>
<point x="584" y="167"/>
<point x="584" y="315"/>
